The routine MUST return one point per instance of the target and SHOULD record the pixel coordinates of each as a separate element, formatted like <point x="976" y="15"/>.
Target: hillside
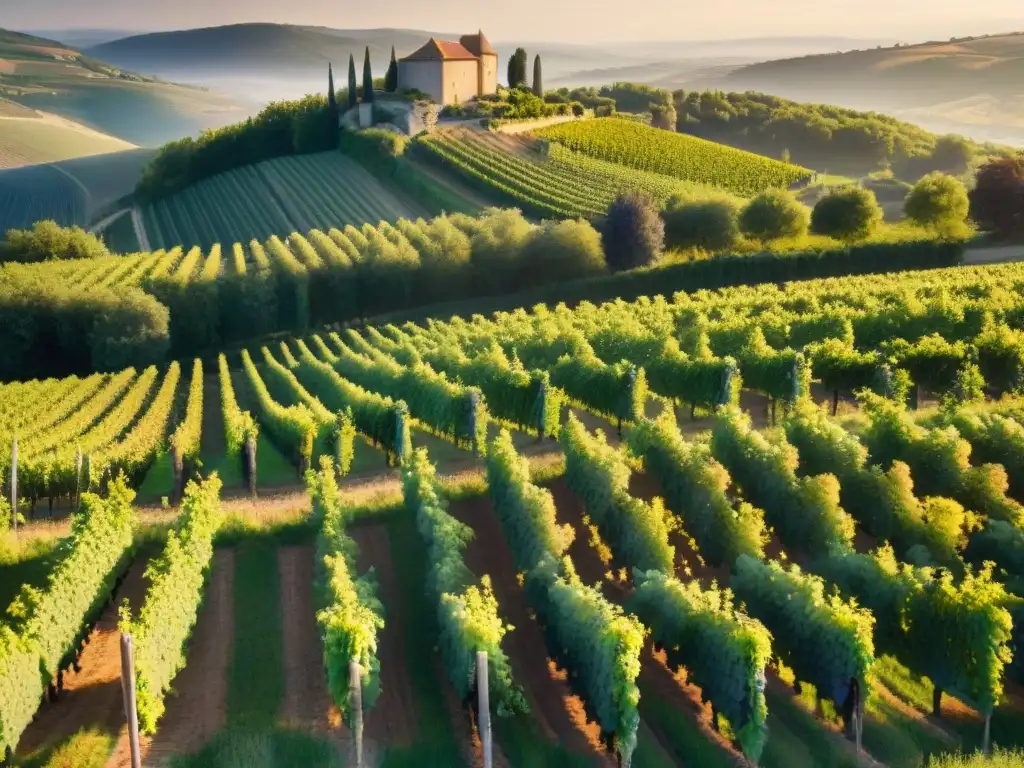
<point x="49" y="76"/>
<point x="76" y="191"/>
<point x="28" y="136"/>
<point x="971" y="85"/>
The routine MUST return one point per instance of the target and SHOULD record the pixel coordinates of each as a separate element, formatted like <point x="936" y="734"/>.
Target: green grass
<point x="272" y="468"/>
<point x="999" y="759"/>
<point x="24" y="563"/>
<point x="88" y="748"/>
<point x="797" y="740"/>
<point x="120" y="236"/>
<point x="681" y="736"/>
<point x="262" y="749"/>
<point x="159" y="480"/>
<point x="256" y="682"/>
<point x="895" y="739"/>
<point x="436" y="744"/>
<point x="30" y="141"/>
<point x="525" y="746"/>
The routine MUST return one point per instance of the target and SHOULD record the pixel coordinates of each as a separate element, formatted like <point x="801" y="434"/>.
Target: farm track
<point x="553" y="706"/>
<point x="92" y="698"/>
<point x="196" y="709"/>
<point x="307" y="701"/>
<point x="393" y="722"/>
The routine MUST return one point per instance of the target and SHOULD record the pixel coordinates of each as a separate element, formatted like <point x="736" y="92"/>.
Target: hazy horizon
<point x="543" y="20"/>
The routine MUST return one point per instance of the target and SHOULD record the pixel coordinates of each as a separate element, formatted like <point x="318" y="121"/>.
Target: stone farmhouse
<point x="451" y="72"/>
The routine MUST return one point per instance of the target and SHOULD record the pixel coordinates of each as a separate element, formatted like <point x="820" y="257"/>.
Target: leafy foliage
<point x="774" y="215"/>
<point x="467" y="612"/>
<point x="684" y="157"/>
<point x="997" y="199"/>
<point x="724" y="651"/>
<point x="696" y="488"/>
<point x="633" y="233"/>
<point x="599" y="475"/>
<point x="826" y="640"/>
<point x="161" y="631"/>
<point x="939" y="202"/>
<point x="47" y="241"/>
<point x="349" y="613"/>
<point x="847" y="213"/>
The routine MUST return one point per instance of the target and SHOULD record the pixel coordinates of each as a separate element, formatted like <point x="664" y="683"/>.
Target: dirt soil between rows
<point x="556" y="709"/>
<point x="92" y="698"/>
<point x="196" y="706"/>
<point x="393" y="721"/>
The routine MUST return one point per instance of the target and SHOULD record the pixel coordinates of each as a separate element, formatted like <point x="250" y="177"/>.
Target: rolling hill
<point x="45" y="75"/>
<point x="28" y="136"/>
<point x="969" y="85"/>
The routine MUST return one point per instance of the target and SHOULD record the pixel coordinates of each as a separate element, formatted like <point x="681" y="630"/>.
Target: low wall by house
<point x="522" y="126"/>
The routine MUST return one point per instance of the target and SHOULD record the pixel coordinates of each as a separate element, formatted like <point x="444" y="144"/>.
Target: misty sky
<point x="911" y="20"/>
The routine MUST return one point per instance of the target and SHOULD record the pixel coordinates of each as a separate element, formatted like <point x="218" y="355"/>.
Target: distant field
<point x="69" y="192"/>
<point x="675" y="154"/>
<point x="559" y="184"/>
<point x="29" y="140"/>
<point x="282" y="195"/>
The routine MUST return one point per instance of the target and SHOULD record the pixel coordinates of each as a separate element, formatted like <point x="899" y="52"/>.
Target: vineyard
<point x="70" y="192"/>
<point x="576" y="492"/>
<point x="283" y="195"/>
<point x="560" y="184"/>
<point x="677" y="155"/>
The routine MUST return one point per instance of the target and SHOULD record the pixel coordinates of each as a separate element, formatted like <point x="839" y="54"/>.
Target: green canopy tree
<point x="353" y="97"/>
<point x="391" y="78"/>
<point x="538" y="82"/>
<point x="332" y="99"/>
<point x="367" y="78"/>
<point x="517" y="69"/>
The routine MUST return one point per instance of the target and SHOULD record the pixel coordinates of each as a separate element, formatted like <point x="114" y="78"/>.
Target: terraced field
<point x="71" y="192"/>
<point x="44" y="139"/>
<point x="546" y="183"/>
<point x="281" y="195"/>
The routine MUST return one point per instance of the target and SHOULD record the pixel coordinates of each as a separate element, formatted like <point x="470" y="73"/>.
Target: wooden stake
<point x="986" y="740"/>
<point x="484" y="707"/>
<point x="128" y="691"/>
<point x="14" y="485"/>
<point x="355" y="703"/>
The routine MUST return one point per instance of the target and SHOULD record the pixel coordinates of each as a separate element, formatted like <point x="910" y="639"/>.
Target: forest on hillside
<point x="818" y="136"/>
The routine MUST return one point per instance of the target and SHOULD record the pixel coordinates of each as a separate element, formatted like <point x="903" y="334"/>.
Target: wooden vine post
<point x="355" y="707"/>
<point x="78" y="476"/>
<point x="178" y="471"/>
<point x="484" y="708"/>
<point x="858" y="714"/>
<point x="128" y="691"/>
<point x="542" y="405"/>
<point x="14" y="485"/>
<point x="249" y="457"/>
<point x="986" y="739"/>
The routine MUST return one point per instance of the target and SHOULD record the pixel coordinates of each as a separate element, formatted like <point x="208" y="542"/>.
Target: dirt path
<point x="554" y="707"/>
<point x="213" y="445"/>
<point x="307" y="701"/>
<point x="393" y="722"/>
<point x="92" y="698"/>
<point x="196" y="708"/>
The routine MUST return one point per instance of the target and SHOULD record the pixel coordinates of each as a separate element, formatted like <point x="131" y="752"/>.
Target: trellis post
<point x="355" y="705"/>
<point x="128" y="692"/>
<point x="14" y="485"/>
<point x="484" y="708"/>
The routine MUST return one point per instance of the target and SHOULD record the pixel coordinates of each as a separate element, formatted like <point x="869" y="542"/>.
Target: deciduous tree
<point x="633" y="233"/>
<point x="773" y="215"/>
<point x="847" y="213"/>
<point x="938" y="202"/>
<point x="997" y="200"/>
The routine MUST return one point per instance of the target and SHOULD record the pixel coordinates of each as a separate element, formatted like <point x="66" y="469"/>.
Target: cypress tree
<point x="391" y="78"/>
<point x="367" y="78"/>
<point x="538" y="83"/>
<point x="332" y="101"/>
<point x="517" y="69"/>
<point x="353" y="98"/>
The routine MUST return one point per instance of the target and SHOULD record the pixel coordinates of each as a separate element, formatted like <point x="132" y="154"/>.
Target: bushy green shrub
<point x="633" y="233"/>
<point x="847" y="213"/>
<point x="938" y="202"/>
<point x="47" y="241"/>
<point x="496" y="244"/>
<point x="773" y="215"/>
<point x="561" y="250"/>
<point x="711" y="226"/>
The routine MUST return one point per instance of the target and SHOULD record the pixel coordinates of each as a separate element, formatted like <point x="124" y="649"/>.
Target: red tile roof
<point x="440" y="50"/>
<point x="477" y="44"/>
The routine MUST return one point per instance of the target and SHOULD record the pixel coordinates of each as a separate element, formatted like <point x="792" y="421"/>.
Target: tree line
<point x="819" y="136"/>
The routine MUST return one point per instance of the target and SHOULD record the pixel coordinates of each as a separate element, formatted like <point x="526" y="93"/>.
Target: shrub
<point x="562" y="250"/>
<point x="633" y="233"/>
<point x="710" y="225"/>
<point x="847" y="213"/>
<point x="773" y="215"/>
<point x="938" y="202"/>
<point x="997" y="200"/>
<point x="496" y="245"/>
<point x="47" y="241"/>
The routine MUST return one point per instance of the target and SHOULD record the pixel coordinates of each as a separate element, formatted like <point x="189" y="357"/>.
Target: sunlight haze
<point x="603" y="20"/>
